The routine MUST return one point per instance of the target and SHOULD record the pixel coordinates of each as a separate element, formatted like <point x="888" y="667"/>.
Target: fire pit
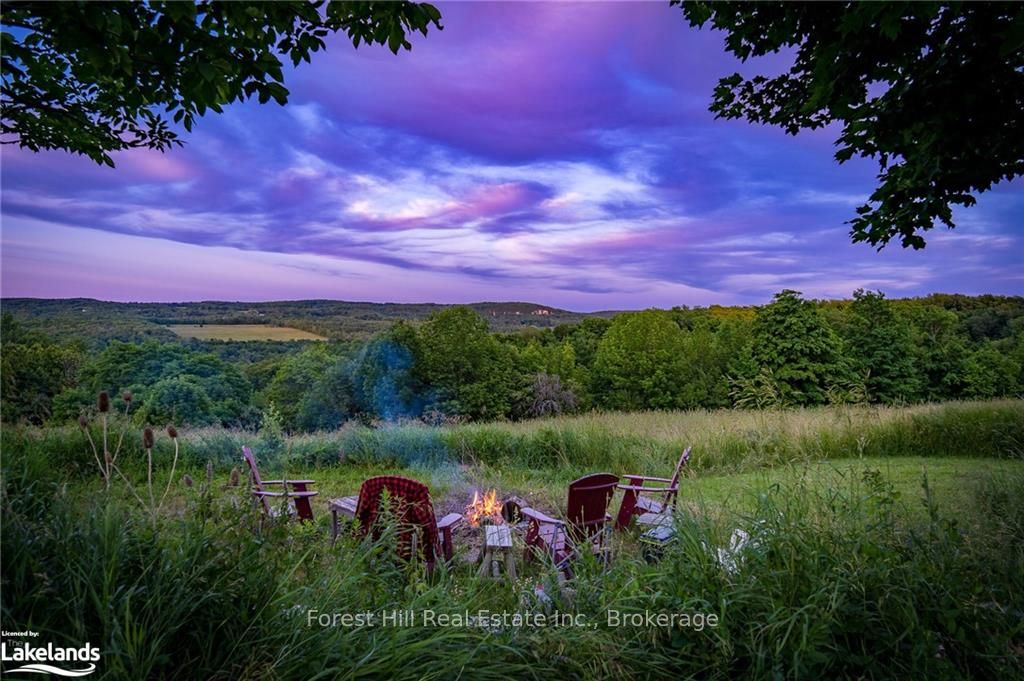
<point x="490" y="514"/>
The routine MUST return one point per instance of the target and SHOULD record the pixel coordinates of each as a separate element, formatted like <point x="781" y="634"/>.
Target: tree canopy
<point x="96" y="77"/>
<point x="880" y="348"/>
<point x="932" y="90"/>
<point x="454" y="367"/>
<point x="792" y="340"/>
<point x="468" y="366"/>
<point x="640" y="362"/>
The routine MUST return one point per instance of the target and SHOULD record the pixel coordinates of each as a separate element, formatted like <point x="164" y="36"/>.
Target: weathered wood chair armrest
<point x="449" y="521"/>
<point x="444" y="526"/>
<point x="345" y="505"/>
<point x="540" y="517"/>
<point x="641" y="488"/>
<point x="645" y="478"/>
<point x="292" y="495"/>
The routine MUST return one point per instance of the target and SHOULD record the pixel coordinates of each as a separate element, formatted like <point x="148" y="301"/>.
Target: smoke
<point x="386" y="385"/>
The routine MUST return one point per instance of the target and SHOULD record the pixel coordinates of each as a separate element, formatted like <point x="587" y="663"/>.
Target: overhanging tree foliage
<point x="97" y="77"/>
<point x="932" y="90"/>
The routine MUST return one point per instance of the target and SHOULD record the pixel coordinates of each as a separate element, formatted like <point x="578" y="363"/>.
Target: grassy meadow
<point x="242" y="332"/>
<point x="886" y="543"/>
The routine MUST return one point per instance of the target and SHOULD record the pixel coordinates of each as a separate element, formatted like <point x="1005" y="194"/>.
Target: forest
<point x="462" y="363"/>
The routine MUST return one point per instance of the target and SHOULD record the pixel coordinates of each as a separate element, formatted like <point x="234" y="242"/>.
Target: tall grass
<point x="723" y="441"/>
<point x="733" y="440"/>
<point x="835" y="584"/>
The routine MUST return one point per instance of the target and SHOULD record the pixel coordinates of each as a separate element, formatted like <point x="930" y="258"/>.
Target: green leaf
<point x="278" y="92"/>
<point x="395" y="40"/>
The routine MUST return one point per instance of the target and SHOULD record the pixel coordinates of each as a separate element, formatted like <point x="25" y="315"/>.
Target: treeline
<point x="98" y="322"/>
<point x="791" y="352"/>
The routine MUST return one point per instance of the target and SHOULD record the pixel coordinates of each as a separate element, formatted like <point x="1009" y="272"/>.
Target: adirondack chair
<point x="419" y="530"/>
<point x="649" y="511"/>
<point x="585" y="529"/>
<point x="296" y="491"/>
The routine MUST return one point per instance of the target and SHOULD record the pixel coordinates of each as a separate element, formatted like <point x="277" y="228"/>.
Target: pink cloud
<point x="149" y="165"/>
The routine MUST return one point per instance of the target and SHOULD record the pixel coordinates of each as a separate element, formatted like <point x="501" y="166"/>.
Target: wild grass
<point x="724" y="441"/>
<point x="842" y="579"/>
<point x="737" y="440"/>
<point x="887" y="543"/>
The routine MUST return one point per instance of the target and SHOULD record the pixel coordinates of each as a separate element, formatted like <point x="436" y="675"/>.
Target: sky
<point x="560" y="154"/>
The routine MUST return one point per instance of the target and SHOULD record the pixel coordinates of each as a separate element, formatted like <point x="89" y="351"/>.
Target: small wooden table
<point x="497" y="549"/>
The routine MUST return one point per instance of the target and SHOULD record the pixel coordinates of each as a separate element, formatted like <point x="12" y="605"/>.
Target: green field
<point x="242" y="332"/>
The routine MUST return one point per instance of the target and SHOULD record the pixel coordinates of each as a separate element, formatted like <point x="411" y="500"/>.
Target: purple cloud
<point x="561" y="153"/>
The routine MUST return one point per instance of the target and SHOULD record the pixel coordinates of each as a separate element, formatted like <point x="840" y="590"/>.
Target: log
<point x="510" y="511"/>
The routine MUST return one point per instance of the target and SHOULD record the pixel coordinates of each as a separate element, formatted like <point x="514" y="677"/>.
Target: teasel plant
<point x="172" y="432"/>
<point x="107" y="463"/>
<point x="148" y="443"/>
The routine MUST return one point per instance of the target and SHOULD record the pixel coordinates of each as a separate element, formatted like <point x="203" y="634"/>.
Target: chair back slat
<point x="254" y="474"/>
<point x="588" y="502"/>
<point x="670" y="496"/>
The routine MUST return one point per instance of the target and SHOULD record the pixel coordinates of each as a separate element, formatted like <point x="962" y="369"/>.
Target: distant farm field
<point x="242" y="332"/>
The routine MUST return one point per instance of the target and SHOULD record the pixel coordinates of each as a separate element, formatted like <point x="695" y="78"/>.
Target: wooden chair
<point x="585" y="527"/>
<point x="649" y="510"/>
<point x="344" y="506"/>
<point x="409" y="501"/>
<point x="296" y="491"/>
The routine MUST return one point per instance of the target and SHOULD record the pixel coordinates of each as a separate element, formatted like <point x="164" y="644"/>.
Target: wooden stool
<point x="497" y="548"/>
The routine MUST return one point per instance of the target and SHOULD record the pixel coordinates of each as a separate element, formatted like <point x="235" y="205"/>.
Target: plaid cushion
<point x="410" y="502"/>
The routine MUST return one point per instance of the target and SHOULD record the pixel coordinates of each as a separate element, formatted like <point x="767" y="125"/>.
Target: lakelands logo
<point x="39" y="658"/>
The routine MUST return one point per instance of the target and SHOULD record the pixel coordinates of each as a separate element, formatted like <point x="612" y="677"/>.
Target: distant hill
<point x="101" y="320"/>
<point x="985" y="316"/>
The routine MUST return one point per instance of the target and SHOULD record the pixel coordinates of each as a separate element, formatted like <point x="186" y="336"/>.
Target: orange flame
<point x="484" y="510"/>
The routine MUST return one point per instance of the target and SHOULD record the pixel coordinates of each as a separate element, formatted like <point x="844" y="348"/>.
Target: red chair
<point x="409" y="501"/>
<point x="587" y="513"/>
<point x="295" y="490"/>
<point x="649" y="510"/>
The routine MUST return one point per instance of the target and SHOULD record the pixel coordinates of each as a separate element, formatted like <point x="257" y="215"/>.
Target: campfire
<point x="485" y="510"/>
<point x="490" y="514"/>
